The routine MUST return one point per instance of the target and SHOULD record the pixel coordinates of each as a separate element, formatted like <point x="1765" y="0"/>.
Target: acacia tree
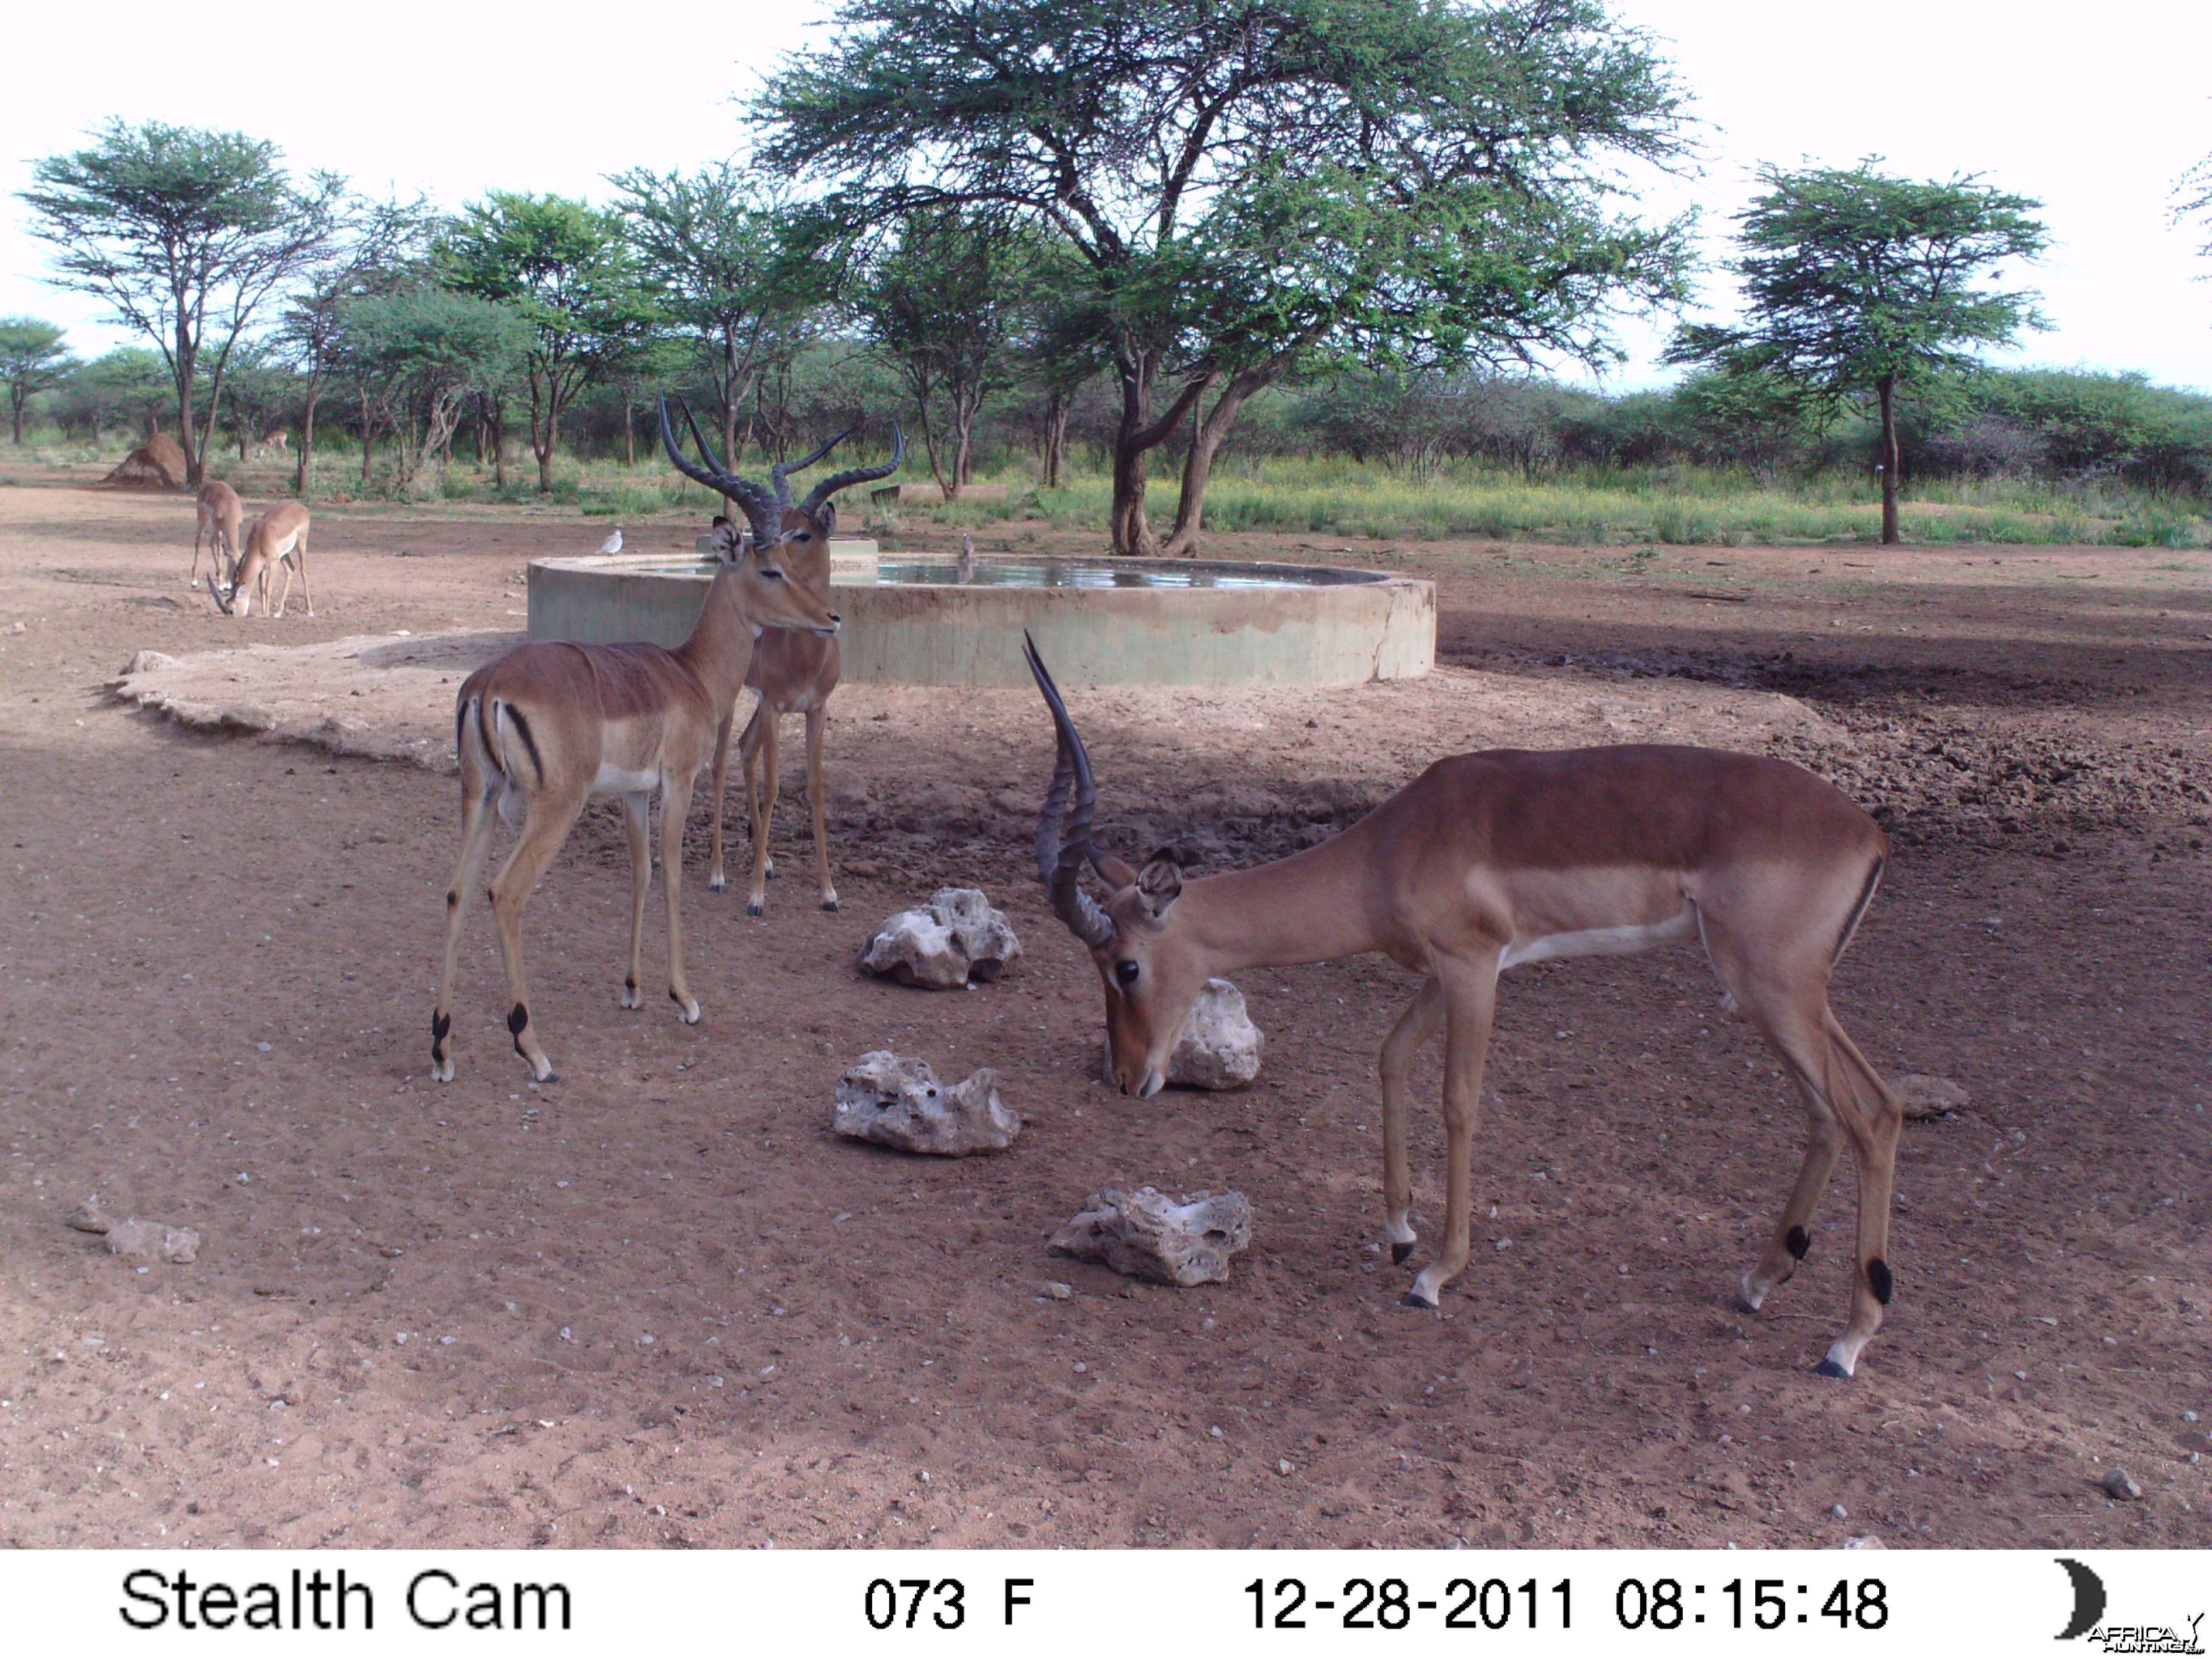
<point x="32" y="358"/>
<point x="723" y="253"/>
<point x="424" y="354"/>
<point x="1254" y="185"/>
<point x="566" y="269"/>
<point x="186" y="234"/>
<point x="1856" y="283"/>
<point x="128" y="385"/>
<point x="379" y="248"/>
<point x="943" y="304"/>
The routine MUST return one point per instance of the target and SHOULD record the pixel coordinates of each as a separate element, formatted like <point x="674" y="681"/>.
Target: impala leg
<point x="1422" y="1015"/>
<point x="716" y="879"/>
<point x="544" y="829"/>
<point x="674" y="808"/>
<point x="475" y="842"/>
<point x="816" y="718"/>
<point x="1787" y="1244"/>
<point x="1469" y="994"/>
<point x="199" y="530"/>
<point x="1845" y="1100"/>
<point x="637" y="808"/>
<point x="1873" y="1121"/>
<point x="764" y="801"/>
<point x="300" y="553"/>
<point x="285" y="595"/>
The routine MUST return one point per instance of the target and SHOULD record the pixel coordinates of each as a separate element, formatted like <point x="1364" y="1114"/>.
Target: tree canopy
<point x="722" y="251"/>
<point x="1855" y="283"/>
<point x="32" y="358"/>
<point x="566" y="269"/>
<point x="1253" y="184"/>
<point x="185" y="234"/>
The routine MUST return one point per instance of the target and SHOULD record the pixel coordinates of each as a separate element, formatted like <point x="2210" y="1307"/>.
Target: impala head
<point x="1151" y="969"/>
<point x="762" y="587"/>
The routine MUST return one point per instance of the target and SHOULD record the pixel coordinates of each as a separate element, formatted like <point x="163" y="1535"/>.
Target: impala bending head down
<point x="1507" y="856"/>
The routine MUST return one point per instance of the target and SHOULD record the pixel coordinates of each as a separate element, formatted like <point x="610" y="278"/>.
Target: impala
<point x="545" y="726"/>
<point x="793" y="673"/>
<point x="220" y="515"/>
<point x="278" y="536"/>
<point x="1508" y="856"/>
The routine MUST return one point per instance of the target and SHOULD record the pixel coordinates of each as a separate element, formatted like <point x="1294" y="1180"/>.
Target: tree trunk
<point x="1055" y="436"/>
<point x="1206" y="442"/>
<point x="187" y="365"/>
<point x="544" y="450"/>
<point x="307" y="437"/>
<point x="1133" y="441"/>
<point x="1886" y="387"/>
<point x="367" y="430"/>
<point x="629" y="436"/>
<point x="18" y="402"/>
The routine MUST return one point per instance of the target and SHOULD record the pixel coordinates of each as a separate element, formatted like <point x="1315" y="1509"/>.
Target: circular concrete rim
<point x="1335" y="626"/>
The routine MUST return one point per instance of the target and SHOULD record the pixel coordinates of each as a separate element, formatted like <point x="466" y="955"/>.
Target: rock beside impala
<point x="1219" y="1048"/>
<point x="1147" y="1235"/>
<point x="954" y="941"/>
<point x="896" y="1102"/>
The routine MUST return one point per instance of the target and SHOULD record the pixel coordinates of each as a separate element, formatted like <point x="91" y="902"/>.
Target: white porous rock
<point x="896" y="1102"/>
<point x="1922" y="1095"/>
<point x="956" y="940"/>
<point x="154" y="1239"/>
<point x="1146" y="1235"/>
<point x="1219" y="1047"/>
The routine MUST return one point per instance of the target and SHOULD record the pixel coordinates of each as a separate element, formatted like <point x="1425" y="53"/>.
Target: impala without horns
<point x="550" y="724"/>
<point x="1508" y="856"/>
<point x="278" y="536"/>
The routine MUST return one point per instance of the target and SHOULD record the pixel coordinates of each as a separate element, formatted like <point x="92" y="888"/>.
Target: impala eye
<point x="1125" y="973"/>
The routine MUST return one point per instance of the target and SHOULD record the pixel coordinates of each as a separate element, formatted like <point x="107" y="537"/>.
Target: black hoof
<point x="830" y="904"/>
<point x="1399" y="1253"/>
<point x="752" y="910"/>
<point x="1829" y="1368"/>
<point x="1413" y="1299"/>
<point x="1742" y="1304"/>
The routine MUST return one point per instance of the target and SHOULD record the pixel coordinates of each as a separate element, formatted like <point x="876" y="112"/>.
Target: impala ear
<point x="1158" y="884"/>
<point x="827" y="517"/>
<point x="1111" y="871"/>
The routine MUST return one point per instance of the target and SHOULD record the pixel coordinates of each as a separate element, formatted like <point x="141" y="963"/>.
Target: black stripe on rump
<point x="1858" y="910"/>
<point x="522" y="731"/>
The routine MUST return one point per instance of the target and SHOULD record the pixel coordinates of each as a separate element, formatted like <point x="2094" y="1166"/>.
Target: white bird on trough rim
<point x="612" y="544"/>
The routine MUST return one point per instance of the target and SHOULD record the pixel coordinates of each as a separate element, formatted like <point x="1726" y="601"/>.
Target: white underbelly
<point x="615" y="781"/>
<point x="1603" y="941"/>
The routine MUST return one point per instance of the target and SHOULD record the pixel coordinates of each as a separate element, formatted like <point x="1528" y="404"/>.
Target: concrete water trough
<point x="910" y="620"/>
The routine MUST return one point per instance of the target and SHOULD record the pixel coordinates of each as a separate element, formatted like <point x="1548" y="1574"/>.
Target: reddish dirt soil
<point x="659" y="1302"/>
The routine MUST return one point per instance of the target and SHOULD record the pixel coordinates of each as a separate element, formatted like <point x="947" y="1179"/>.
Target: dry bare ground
<point x="659" y="1303"/>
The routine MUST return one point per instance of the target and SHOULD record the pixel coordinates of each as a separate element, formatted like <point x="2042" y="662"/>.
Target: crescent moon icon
<point x="2088" y="1599"/>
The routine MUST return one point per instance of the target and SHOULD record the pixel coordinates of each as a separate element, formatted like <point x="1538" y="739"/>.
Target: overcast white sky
<point x="2096" y="113"/>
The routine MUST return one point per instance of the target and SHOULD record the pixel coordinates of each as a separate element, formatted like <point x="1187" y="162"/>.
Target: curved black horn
<point x="746" y="494"/>
<point x="837" y="481"/>
<point x="781" y="468"/>
<point x="1063" y="839"/>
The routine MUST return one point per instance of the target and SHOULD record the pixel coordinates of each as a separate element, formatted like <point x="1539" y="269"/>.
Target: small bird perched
<point x="967" y="568"/>
<point x="613" y="544"/>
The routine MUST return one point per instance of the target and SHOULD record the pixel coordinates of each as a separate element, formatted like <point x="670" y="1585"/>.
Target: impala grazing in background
<point x="547" y="724"/>
<point x="278" y="536"/>
<point x="1508" y="856"/>
<point x="220" y="515"/>
<point x="794" y="673"/>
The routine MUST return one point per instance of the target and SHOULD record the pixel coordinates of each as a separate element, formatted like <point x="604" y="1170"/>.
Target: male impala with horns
<point x="1507" y="856"/>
